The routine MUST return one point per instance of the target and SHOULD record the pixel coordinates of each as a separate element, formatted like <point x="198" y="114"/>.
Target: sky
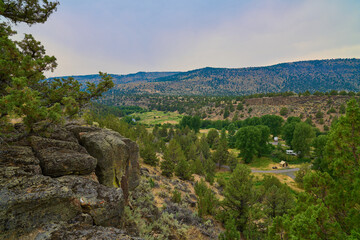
<point x="127" y="36"/>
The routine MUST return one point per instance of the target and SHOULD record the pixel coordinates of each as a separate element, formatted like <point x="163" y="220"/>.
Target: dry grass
<point x="282" y="178"/>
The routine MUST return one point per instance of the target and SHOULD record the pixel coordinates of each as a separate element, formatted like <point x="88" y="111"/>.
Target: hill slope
<point x="317" y="75"/>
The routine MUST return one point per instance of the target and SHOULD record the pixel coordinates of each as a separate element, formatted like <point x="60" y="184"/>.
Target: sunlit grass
<point x="158" y="117"/>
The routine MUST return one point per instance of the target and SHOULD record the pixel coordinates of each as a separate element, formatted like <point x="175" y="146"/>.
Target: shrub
<point x="284" y="111"/>
<point x="176" y="196"/>
<point x="207" y="201"/>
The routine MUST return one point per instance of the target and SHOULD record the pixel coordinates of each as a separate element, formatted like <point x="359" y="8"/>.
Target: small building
<point x="284" y="164"/>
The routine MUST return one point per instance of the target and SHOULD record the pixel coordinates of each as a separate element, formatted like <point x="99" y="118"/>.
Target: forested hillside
<point x="122" y="79"/>
<point x="318" y="75"/>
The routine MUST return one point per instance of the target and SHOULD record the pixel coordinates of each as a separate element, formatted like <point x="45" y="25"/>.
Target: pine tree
<point x="183" y="170"/>
<point x="239" y="196"/>
<point x="149" y="155"/>
<point x="172" y="156"/>
<point x="230" y="231"/>
<point x="221" y="154"/>
<point x="167" y="167"/>
<point x="23" y="91"/>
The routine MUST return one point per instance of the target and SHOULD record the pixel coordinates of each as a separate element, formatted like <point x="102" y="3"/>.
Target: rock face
<point x="117" y="157"/>
<point x="59" y="158"/>
<point x="48" y="189"/>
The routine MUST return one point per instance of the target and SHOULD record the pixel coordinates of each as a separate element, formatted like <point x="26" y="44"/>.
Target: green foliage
<point x="118" y="111"/>
<point x="226" y="113"/>
<point x="230" y="231"/>
<point x="232" y="161"/>
<point x="176" y="196"/>
<point x="247" y="141"/>
<point x="319" y="144"/>
<point x="221" y="154"/>
<point x="209" y="167"/>
<point x="207" y="201"/>
<point x="331" y="110"/>
<point x="328" y="209"/>
<point x="284" y="111"/>
<point x="303" y="135"/>
<point x="252" y="141"/>
<point x="149" y="155"/>
<point x="240" y="107"/>
<point x="23" y="90"/>
<point x="342" y="109"/>
<point x="273" y="122"/>
<point x="319" y="114"/>
<point x="299" y="176"/>
<point x="191" y="122"/>
<point x="212" y="136"/>
<point x="183" y="170"/>
<point x="167" y="167"/>
<point x="277" y="198"/>
<point x="239" y="196"/>
<point x="263" y="142"/>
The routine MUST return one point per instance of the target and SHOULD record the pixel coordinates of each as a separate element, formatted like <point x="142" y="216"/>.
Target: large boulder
<point x="117" y="157"/>
<point x="56" y="162"/>
<point x="29" y="199"/>
<point x="105" y="205"/>
<point x="48" y="189"/>
<point x="19" y="156"/>
<point x="31" y="204"/>
<point x="59" y="158"/>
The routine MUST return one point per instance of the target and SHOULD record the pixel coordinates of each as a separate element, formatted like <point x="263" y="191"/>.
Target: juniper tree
<point x="24" y="92"/>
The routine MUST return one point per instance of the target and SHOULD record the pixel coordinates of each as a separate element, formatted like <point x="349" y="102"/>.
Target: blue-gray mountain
<point x="316" y="75"/>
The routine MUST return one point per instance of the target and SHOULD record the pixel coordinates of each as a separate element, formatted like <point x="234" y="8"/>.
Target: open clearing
<point x="158" y="117"/>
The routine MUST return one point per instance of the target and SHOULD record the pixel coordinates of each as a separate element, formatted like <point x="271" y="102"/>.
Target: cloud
<point x="157" y="35"/>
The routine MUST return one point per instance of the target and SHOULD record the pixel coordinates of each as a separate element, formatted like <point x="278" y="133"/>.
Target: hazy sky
<point x="124" y="36"/>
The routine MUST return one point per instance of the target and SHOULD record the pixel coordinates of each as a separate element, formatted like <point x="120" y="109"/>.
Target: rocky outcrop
<point x="117" y="157"/>
<point x="59" y="158"/>
<point x="90" y="233"/>
<point x="48" y="188"/>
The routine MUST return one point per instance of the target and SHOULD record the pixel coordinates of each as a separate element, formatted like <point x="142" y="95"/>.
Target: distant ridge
<point x="315" y="75"/>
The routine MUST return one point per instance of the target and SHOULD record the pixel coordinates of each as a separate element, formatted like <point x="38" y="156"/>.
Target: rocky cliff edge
<point x="66" y="182"/>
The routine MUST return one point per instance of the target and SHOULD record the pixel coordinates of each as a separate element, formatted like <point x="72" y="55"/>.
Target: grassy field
<point x="158" y="117"/>
<point x="261" y="163"/>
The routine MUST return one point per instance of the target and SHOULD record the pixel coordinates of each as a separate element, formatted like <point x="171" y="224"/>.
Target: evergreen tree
<point x="182" y="170"/>
<point x="172" y="156"/>
<point x="23" y="90"/>
<point x="167" y="167"/>
<point x="226" y="113"/>
<point x="221" y="154"/>
<point x="149" y="155"/>
<point x="239" y="196"/>
<point x="204" y="148"/>
<point x="209" y="167"/>
<point x="328" y="207"/>
<point x="230" y="231"/>
<point x="319" y="144"/>
<point x="231" y="135"/>
<point x="212" y="136"/>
